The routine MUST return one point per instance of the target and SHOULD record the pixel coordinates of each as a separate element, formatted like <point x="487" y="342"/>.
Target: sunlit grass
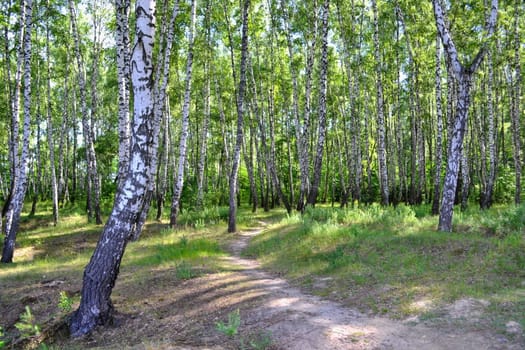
<point x="392" y="260"/>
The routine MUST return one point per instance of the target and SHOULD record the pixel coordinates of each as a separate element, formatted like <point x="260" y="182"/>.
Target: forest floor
<point x="157" y="310"/>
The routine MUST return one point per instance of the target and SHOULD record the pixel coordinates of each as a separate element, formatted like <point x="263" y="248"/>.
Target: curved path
<point x="300" y="321"/>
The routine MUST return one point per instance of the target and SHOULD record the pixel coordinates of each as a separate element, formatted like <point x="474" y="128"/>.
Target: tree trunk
<point x="464" y="77"/>
<point x="439" y="133"/>
<point x="248" y="159"/>
<point x="455" y="148"/>
<point x="63" y="149"/>
<point x="516" y="110"/>
<point x="122" y="40"/>
<point x="51" y="144"/>
<point x="179" y="180"/>
<point x="93" y="181"/>
<point x="323" y="88"/>
<point x="488" y="188"/>
<point x="381" y="142"/>
<point x="301" y="129"/>
<point x="232" y="215"/>
<point x="465" y="176"/>
<point x="162" y="183"/>
<point x="92" y="168"/>
<point x="102" y="271"/>
<point x="20" y="183"/>
<point x="207" y="114"/>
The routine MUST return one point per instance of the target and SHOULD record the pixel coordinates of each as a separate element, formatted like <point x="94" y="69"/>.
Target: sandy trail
<point x="300" y="321"/>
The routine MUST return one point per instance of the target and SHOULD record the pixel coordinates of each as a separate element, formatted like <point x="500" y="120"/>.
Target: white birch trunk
<point x="102" y="271"/>
<point x="179" y="175"/>
<point x="20" y="184"/>
<point x="323" y="89"/>
<point x="439" y="132"/>
<point x="93" y="181"/>
<point x="464" y="77"/>
<point x="381" y="137"/>
<point x="50" y="137"/>
<point x="232" y="215"/>
<point x="122" y="40"/>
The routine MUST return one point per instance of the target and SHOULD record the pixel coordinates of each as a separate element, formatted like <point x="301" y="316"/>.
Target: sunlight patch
<point x="25" y="254"/>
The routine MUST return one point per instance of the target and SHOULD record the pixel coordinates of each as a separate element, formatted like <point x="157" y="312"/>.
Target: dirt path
<point x="300" y="321"/>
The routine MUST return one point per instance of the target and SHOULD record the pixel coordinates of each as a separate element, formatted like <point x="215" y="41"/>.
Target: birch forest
<point x="138" y="111"/>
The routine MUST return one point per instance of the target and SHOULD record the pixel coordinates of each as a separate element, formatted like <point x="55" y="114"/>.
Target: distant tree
<point x="322" y="105"/>
<point x="179" y="178"/>
<point x="233" y="178"/>
<point x="381" y="127"/>
<point x="49" y="124"/>
<point x="516" y="105"/>
<point x="93" y="180"/>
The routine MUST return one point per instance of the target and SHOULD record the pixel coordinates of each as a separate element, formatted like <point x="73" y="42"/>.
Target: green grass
<point x="392" y="260"/>
<point x="385" y="260"/>
<point x="48" y="253"/>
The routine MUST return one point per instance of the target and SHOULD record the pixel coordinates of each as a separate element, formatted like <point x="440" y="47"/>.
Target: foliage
<point x="258" y="341"/>
<point x="2" y="342"/>
<point x="27" y="325"/>
<point x="231" y="327"/>
<point x="65" y="303"/>
<point x="206" y="216"/>
<point x="184" y="271"/>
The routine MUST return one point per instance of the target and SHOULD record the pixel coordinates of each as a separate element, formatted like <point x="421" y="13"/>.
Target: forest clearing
<point x="363" y="278"/>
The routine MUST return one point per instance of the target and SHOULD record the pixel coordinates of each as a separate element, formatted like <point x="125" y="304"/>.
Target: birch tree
<point x="464" y="75"/>
<point x="232" y="214"/>
<point x="93" y="181"/>
<point x="101" y="273"/>
<point x="439" y="132"/>
<point x="323" y="88"/>
<point x="515" y="106"/>
<point x="122" y="41"/>
<point x="489" y="180"/>
<point x="381" y="138"/>
<point x="207" y="110"/>
<point x="50" y="139"/>
<point x="179" y="178"/>
<point x="20" y="161"/>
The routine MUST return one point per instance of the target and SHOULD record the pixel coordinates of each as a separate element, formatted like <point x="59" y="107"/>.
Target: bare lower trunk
<point x="515" y="110"/>
<point x="50" y="138"/>
<point x="488" y="188"/>
<point x="20" y="184"/>
<point x="381" y="142"/>
<point x="454" y="155"/>
<point x="439" y="133"/>
<point x="102" y="271"/>
<point x="318" y="163"/>
<point x="179" y="180"/>
<point x="162" y="183"/>
<point x="93" y="181"/>
<point x="204" y="142"/>
<point x="301" y="129"/>
<point x="232" y="216"/>
<point x="122" y="8"/>
<point x="464" y="76"/>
